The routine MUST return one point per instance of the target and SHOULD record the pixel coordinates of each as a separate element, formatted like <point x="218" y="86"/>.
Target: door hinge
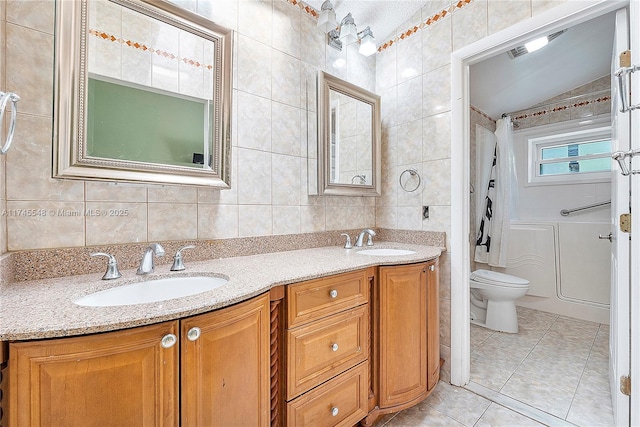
<point x="625" y="223"/>
<point x="625" y="385"/>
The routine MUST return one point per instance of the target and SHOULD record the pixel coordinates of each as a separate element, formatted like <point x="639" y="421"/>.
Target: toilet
<point x="493" y="297"/>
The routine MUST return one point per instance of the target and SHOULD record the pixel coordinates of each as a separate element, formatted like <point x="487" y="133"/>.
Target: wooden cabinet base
<point x="339" y="402"/>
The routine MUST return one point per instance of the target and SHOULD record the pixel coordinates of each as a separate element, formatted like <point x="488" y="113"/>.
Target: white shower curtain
<point x="493" y="231"/>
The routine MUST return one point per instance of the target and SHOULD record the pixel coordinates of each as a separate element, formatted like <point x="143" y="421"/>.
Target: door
<point x="225" y="366"/>
<point x="122" y="378"/>
<point x="403" y="334"/>
<point x="634" y="309"/>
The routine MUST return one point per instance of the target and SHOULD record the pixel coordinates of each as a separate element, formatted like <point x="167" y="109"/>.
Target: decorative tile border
<point x="407" y="33"/>
<point x="145" y="48"/>
<point x="49" y="263"/>
<point x="562" y="108"/>
<point x="432" y="20"/>
<point x="482" y="113"/>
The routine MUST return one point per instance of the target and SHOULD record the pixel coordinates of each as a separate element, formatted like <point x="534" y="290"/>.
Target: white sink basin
<point x="386" y="252"/>
<point x="152" y="291"/>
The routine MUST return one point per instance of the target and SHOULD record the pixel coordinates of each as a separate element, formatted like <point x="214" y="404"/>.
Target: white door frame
<point x="565" y="15"/>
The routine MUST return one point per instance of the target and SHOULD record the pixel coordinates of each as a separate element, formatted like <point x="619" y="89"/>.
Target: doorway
<point x="563" y="16"/>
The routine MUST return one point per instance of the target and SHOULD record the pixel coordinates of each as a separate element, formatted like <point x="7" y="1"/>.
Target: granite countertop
<point x="45" y="308"/>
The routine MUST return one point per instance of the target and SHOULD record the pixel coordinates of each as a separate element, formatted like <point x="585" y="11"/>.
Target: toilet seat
<point x="498" y="279"/>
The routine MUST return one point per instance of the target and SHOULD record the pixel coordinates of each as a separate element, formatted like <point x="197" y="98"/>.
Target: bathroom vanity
<point x="339" y="342"/>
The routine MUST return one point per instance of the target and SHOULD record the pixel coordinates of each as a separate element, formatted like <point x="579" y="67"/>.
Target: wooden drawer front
<point x="313" y="299"/>
<point x="311" y="355"/>
<point x="347" y="393"/>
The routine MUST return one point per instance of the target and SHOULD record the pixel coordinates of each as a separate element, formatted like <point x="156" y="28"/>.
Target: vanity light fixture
<point x="346" y="32"/>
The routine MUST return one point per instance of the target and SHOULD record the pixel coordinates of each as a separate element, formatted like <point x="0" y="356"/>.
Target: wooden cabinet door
<point x="433" y="323"/>
<point x="225" y="372"/>
<point x="403" y="334"/>
<point x="124" y="378"/>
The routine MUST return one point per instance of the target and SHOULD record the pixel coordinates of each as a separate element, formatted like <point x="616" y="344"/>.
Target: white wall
<point x="544" y="202"/>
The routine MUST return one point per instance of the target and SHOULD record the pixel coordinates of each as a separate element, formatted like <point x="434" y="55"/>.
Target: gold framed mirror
<point x="349" y="133"/>
<point x="142" y="93"/>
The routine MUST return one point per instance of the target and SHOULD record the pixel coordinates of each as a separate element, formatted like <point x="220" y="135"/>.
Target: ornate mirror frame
<point x="70" y="158"/>
<point x="326" y="84"/>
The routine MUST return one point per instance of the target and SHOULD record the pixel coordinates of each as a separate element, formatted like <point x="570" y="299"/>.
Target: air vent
<point x="521" y="50"/>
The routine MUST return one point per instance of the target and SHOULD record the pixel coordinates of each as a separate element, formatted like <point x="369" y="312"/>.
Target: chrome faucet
<point x="360" y="238"/>
<point x="146" y="264"/>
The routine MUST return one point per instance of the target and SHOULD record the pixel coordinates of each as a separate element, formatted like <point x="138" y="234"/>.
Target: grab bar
<point x="5" y="97"/>
<point x="565" y="212"/>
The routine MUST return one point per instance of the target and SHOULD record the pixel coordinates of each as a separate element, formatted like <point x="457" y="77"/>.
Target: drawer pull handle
<point x="193" y="334"/>
<point x="333" y="293"/>
<point x="334" y="411"/>
<point x="168" y="341"/>
<point x="334" y="347"/>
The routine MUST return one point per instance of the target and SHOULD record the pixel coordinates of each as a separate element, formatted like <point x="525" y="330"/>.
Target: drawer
<point x="322" y="349"/>
<point x="339" y="402"/>
<point x="318" y="298"/>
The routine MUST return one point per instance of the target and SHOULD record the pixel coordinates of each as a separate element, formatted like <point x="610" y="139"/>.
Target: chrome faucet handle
<point x="112" y="267"/>
<point x="178" y="265"/>
<point x="348" y="244"/>
<point x="370" y="235"/>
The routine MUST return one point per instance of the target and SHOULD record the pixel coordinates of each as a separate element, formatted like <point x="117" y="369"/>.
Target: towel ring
<point x="4" y="100"/>
<point x="413" y="173"/>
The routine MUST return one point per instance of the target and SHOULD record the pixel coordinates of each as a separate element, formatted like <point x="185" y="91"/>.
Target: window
<point x="582" y="156"/>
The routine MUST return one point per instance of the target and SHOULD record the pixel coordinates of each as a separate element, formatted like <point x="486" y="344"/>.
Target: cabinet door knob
<point x="333" y="293"/>
<point x="168" y="341"/>
<point x="193" y="334"/>
<point x="334" y="411"/>
<point x="432" y="267"/>
<point x="334" y="347"/>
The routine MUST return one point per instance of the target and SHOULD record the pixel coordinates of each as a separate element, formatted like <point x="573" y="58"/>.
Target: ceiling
<point x="582" y="54"/>
<point x="383" y="16"/>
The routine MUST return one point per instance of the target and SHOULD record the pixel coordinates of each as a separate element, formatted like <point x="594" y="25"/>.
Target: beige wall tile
<point x="336" y="62"/>
<point x="254" y="181"/>
<point x="410" y="55"/>
<point x="469" y="24"/>
<point x="360" y="69"/>
<point x="436" y="91"/>
<point x="408" y="219"/>
<point x="254" y="66"/>
<point x="387" y="217"/>
<point x="172" y="193"/>
<point x="386" y="69"/>
<point x="436" y="136"/>
<point x="310" y="39"/>
<point x="437" y="182"/>
<point x="255" y="220"/>
<point x="312" y="218"/>
<point x="28" y="74"/>
<point x="409" y="100"/>
<point x="29" y="164"/>
<point x="285" y="78"/>
<point x="286" y="26"/>
<point x="223" y="12"/>
<point x="172" y="221"/>
<point x="254" y="121"/>
<point x="285" y="180"/>
<point x="255" y="19"/>
<point x="115" y="192"/>
<point x="436" y="44"/>
<point x="44" y="224"/>
<point x="286" y="129"/>
<point x="503" y="14"/>
<point x="409" y="148"/>
<point x="217" y="221"/>
<point x="37" y="15"/>
<point x="286" y="219"/>
<point x="114" y="223"/>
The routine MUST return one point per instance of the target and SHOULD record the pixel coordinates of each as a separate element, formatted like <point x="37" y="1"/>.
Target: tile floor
<point x="554" y="371"/>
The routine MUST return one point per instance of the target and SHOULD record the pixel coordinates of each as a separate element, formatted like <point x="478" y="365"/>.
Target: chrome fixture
<point x="146" y="264"/>
<point x="346" y="32"/>
<point x="414" y="176"/>
<point x="178" y="265"/>
<point x="112" y="267"/>
<point x="360" y="238"/>
<point x="5" y="97"/>
<point x="348" y="244"/>
<point x="566" y="212"/>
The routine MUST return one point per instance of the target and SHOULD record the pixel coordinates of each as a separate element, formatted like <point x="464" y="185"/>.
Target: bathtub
<point x="567" y="265"/>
